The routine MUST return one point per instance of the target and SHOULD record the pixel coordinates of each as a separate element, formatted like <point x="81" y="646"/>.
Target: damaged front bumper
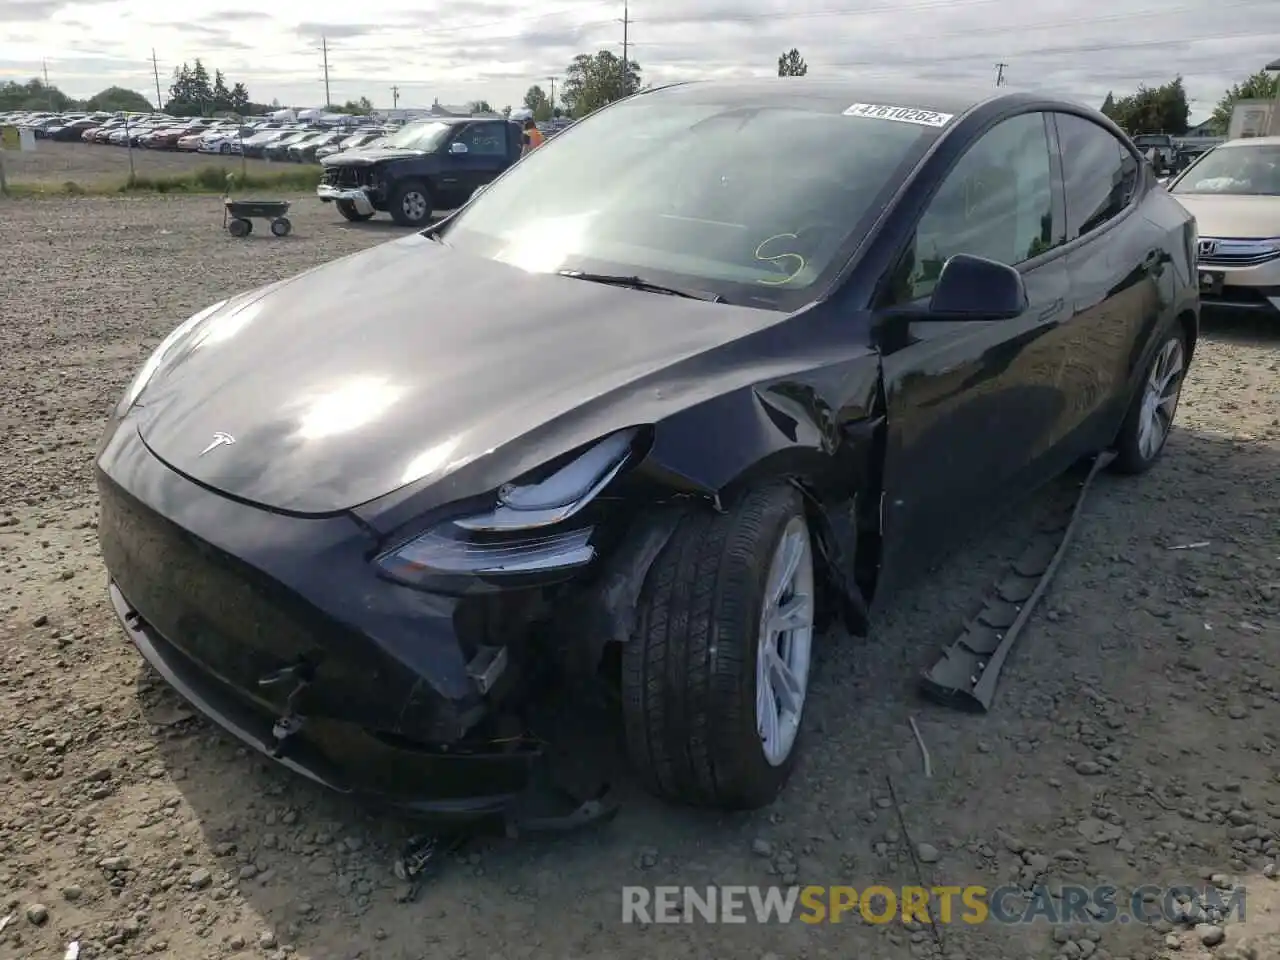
<point x="387" y="694"/>
<point x="357" y="196"/>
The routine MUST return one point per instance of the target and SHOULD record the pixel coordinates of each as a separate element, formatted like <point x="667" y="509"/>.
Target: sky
<point x="459" y="51"/>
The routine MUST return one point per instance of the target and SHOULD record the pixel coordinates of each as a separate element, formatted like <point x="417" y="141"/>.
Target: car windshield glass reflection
<point x="1243" y="169"/>
<point x="418" y="136"/>
<point x="755" y="202"/>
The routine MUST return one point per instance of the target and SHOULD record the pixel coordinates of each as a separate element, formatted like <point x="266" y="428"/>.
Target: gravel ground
<point x="1132" y="741"/>
<point x="90" y="163"/>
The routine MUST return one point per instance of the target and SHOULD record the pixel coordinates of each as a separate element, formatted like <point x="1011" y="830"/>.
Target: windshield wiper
<point x="639" y="283"/>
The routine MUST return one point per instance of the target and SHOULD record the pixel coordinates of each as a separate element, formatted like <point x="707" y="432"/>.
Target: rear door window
<point x="1100" y="172"/>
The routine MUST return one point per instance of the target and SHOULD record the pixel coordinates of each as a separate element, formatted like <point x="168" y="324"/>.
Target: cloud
<point x="336" y="31"/>
<point x="494" y="49"/>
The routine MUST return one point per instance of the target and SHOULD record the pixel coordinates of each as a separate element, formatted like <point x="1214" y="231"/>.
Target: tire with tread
<point x="1129" y="459"/>
<point x="688" y="673"/>
<point x="396" y="203"/>
<point x="348" y="210"/>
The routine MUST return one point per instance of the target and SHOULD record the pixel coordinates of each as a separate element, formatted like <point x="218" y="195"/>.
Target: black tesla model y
<point x="718" y="364"/>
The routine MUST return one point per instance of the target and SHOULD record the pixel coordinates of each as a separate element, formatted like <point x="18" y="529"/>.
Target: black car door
<point x="971" y="406"/>
<point x="486" y="157"/>
<point x="1119" y="275"/>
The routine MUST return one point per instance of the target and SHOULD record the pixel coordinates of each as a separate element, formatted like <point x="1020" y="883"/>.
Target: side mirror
<point x="975" y="288"/>
<point x="457" y="148"/>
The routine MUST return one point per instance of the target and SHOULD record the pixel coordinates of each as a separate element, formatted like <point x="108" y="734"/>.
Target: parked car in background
<point x="225" y="140"/>
<point x="255" y="145"/>
<point x="363" y="138"/>
<point x="278" y="150"/>
<point x="426" y="165"/>
<point x="72" y="130"/>
<point x="1233" y="191"/>
<point x="304" y="151"/>
<point x="659" y="404"/>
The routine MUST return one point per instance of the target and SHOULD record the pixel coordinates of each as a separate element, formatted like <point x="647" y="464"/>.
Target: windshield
<point x="1244" y="169"/>
<point x="758" y="204"/>
<point x="424" y="135"/>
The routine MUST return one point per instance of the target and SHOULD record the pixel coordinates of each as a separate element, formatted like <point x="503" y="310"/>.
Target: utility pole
<point x="626" y="22"/>
<point x="1000" y="74"/>
<point x="395" y="97"/>
<point x="155" y="68"/>
<point x="553" y="95"/>
<point x="324" y="46"/>
<point x="48" y="90"/>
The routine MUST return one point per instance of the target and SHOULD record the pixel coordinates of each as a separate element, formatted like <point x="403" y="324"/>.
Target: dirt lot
<point x="1133" y="740"/>
<point x="86" y="163"/>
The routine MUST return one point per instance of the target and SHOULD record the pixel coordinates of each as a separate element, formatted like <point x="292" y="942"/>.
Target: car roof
<point x="834" y="95"/>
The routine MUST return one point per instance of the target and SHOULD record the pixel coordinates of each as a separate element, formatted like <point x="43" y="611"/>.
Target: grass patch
<point x="207" y="179"/>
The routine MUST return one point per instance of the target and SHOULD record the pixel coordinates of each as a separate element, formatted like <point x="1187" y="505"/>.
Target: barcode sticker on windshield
<point x="876" y="111"/>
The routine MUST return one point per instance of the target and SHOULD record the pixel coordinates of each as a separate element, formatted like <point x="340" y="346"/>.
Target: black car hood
<point x="408" y="361"/>
<point x="364" y="157"/>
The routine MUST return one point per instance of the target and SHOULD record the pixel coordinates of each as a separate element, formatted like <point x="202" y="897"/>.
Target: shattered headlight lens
<point x="519" y="535"/>
<point x="154" y="361"/>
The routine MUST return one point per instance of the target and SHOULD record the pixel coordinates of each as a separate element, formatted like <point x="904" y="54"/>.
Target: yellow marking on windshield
<point x="777" y="257"/>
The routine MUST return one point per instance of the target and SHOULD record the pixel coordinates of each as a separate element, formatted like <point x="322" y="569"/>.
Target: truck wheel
<point x="410" y="204"/>
<point x="348" y="209"/>
<point x="714" y="681"/>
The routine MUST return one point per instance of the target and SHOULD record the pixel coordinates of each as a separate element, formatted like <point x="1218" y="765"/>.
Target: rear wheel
<point x="1150" y="418"/>
<point x="714" y="683"/>
<point x="410" y="204"/>
<point x="348" y="209"/>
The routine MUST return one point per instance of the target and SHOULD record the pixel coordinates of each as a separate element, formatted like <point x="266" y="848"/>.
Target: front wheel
<point x="1146" y="427"/>
<point x="348" y="209"/>
<point x="410" y="204"/>
<point x="714" y="681"/>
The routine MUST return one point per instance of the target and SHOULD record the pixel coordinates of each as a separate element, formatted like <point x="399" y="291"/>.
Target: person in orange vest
<point x="532" y="137"/>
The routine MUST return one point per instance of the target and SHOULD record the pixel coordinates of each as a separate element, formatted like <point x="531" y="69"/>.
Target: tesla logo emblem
<point x="1208" y="248"/>
<point x="219" y="439"/>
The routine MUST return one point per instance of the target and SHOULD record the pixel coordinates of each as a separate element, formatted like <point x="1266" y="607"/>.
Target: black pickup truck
<point x="427" y="165"/>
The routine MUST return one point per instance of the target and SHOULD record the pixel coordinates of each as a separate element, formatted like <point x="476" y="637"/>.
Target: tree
<point x="791" y="64"/>
<point x="506" y="111"/>
<point x="1259" y="86"/>
<point x="356" y="108"/>
<point x="193" y="93"/>
<point x="534" y="97"/>
<point x="221" y="96"/>
<point x="480" y="106"/>
<point x="119" y="100"/>
<point x="1162" y="109"/>
<point x="34" y="95"/>
<point x="596" y="80"/>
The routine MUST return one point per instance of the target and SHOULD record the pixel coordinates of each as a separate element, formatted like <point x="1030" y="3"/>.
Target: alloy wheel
<point x="786" y="642"/>
<point x="1160" y="398"/>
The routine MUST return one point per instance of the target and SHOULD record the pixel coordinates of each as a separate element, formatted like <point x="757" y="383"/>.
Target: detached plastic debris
<point x="73" y="951"/>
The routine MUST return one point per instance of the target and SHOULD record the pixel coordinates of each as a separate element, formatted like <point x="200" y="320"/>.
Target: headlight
<point x="515" y="536"/>
<point x="157" y="356"/>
